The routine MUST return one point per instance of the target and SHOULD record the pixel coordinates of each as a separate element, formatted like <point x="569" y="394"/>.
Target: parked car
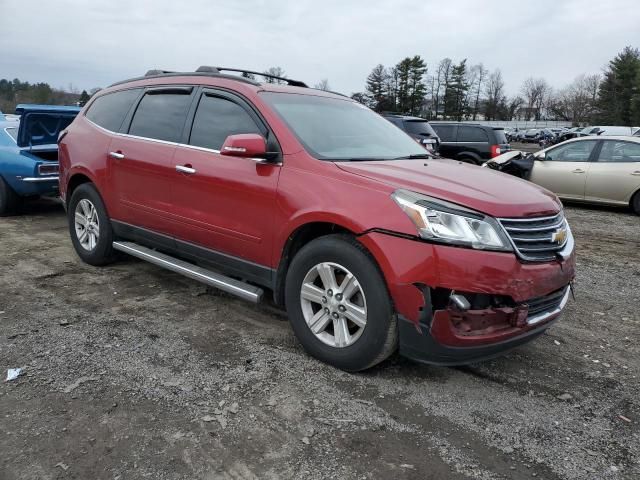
<point x="369" y="242"/>
<point x="418" y="128"/>
<point x="610" y="130"/>
<point x="29" y="153"/>
<point x="532" y="135"/>
<point x="470" y="142"/>
<point x="604" y="170"/>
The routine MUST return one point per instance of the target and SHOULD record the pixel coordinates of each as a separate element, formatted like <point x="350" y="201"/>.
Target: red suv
<point x="369" y="242"/>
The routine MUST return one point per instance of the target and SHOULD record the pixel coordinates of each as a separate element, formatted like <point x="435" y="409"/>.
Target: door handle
<point x="637" y="172"/>
<point x="185" y="169"/>
<point x="116" y="155"/>
<point x="578" y="170"/>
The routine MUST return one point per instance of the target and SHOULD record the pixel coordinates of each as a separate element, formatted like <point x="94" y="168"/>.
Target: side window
<point x="161" y="115"/>
<point x="572" y="152"/>
<point x="619" y="152"/>
<point x="472" y="134"/>
<point x="109" y="110"/>
<point x="216" y="119"/>
<point x="445" y="132"/>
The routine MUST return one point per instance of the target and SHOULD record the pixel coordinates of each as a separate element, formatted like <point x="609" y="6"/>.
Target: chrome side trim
<point x="221" y="282"/>
<point x="40" y="179"/>
<point x="544" y="316"/>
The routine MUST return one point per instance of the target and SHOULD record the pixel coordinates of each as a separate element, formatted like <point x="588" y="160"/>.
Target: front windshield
<point x="333" y="129"/>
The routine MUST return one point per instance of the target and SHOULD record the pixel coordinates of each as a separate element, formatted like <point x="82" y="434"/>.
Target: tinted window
<point x="446" y="132"/>
<point x="500" y="135"/>
<point x="216" y="119"/>
<point x="619" y="152"/>
<point x="572" y="152"/>
<point x="109" y="110"/>
<point x="472" y="134"/>
<point x="161" y="116"/>
<point x="418" y="127"/>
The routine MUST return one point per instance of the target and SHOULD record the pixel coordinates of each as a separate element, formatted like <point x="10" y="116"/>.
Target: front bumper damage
<point x="508" y="302"/>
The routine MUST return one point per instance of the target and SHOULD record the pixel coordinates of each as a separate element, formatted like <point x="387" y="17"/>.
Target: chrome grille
<point x="535" y="239"/>
<point x="541" y="308"/>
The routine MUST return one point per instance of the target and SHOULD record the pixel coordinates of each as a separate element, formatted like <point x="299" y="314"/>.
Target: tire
<point x="365" y="343"/>
<point x="635" y="203"/>
<point x="86" y="201"/>
<point x="10" y="202"/>
<point x="469" y="160"/>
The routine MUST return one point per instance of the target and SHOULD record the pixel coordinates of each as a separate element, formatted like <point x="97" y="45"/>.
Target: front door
<point x="225" y="204"/>
<point x="564" y="168"/>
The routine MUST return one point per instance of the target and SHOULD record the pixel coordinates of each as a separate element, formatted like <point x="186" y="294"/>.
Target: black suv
<point x="470" y="142"/>
<point x="418" y="128"/>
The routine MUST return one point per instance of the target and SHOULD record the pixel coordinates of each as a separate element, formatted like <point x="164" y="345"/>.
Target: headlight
<point x="444" y="222"/>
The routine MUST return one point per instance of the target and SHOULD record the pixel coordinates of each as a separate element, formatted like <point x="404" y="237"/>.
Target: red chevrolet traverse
<point x="369" y="242"/>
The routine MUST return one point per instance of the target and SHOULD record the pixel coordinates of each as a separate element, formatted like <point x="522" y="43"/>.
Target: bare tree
<point x="443" y="77"/>
<point x="495" y="95"/>
<point x="577" y="101"/>
<point x="323" y="85"/>
<point x="275" y="71"/>
<point x="536" y="92"/>
<point x="477" y="78"/>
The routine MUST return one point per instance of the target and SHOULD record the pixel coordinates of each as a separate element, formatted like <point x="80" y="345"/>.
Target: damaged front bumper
<point x="503" y="302"/>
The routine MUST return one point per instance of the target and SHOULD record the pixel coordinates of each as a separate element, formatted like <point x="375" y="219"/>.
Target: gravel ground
<point x="133" y="372"/>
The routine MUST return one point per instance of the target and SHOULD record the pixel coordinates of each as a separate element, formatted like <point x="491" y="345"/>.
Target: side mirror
<point x="245" y="145"/>
<point x="541" y="156"/>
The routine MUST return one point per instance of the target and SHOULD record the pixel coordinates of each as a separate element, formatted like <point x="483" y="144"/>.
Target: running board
<point x="213" y="279"/>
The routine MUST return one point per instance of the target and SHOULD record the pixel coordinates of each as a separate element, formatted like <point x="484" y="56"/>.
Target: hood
<point x="482" y="189"/>
<point x="41" y="124"/>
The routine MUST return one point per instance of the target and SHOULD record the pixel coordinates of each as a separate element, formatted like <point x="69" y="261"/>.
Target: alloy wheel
<point x="333" y="304"/>
<point x="87" y="225"/>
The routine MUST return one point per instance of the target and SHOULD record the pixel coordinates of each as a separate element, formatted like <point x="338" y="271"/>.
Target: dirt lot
<point x="133" y="372"/>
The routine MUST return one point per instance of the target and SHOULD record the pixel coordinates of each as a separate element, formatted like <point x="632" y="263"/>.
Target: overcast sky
<point x="92" y="43"/>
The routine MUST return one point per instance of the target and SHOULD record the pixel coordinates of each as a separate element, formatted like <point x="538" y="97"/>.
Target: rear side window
<point x="500" y="135"/>
<point x="109" y="110"/>
<point x="216" y="119"/>
<point x="613" y="151"/>
<point x="161" y="116"/>
<point x="418" y="127"/>
<point x="472" y="134"/>
<point x="13" y="133"/>
<point x="445" y="132"/>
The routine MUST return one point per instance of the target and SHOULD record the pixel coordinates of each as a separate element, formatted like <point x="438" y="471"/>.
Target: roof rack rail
<point x="153" y="72"/>
<point x="288" y="81"/>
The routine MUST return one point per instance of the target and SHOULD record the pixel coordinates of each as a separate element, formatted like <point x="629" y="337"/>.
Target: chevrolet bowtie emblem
<point x="559" y="236"/>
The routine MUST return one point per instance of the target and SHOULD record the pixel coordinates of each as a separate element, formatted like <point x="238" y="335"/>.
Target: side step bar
<point x="213" y="279"/>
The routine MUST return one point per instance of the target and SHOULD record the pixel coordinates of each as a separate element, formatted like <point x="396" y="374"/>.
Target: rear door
<point x="141" y="160"/>
<point x="447" y="134"/>
<point x="225" y="204"/>
<point x="564" y="169"/>
<point x="615" y="175"/>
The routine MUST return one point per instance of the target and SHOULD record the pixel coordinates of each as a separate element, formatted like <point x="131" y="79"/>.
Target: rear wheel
<point x="338" y="304"/>
<point x="90" y="227"/>
<point x="9" y="201"/>
<point x="635" y="203"/>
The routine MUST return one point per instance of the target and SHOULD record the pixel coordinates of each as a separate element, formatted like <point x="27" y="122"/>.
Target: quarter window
<point x="216" y="119"/>
<point x="161" y="116"/>
<point x="619" y="152"/>
<point x="109" y="110"/>
<point x="472" y="134"/>
<point x="572" y="152"/>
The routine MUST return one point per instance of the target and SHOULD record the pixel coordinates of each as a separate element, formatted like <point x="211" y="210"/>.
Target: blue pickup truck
<point x="29" y="153"/>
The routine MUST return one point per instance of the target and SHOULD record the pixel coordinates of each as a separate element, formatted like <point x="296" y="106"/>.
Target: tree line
<point x="14" y="92"/>
<point x="462" y="91"/>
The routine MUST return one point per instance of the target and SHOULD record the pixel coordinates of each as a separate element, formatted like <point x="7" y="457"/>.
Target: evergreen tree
<point x="376" y="87"/>
<point x="456" y="92"/>
<point x="618" y="87"/>
<point x="84" y="98"/>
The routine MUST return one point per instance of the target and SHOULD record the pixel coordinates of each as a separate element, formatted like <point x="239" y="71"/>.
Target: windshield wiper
<point x="415" y="156"/>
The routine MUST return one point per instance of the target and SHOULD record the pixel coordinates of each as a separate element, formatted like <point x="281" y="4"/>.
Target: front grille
<point x="548" y="303"/>
<point x="535" y="238"/>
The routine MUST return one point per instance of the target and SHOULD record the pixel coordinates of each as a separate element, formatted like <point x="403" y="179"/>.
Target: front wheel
<point x="338" y="304"/>
<point x="90" y="227"/>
